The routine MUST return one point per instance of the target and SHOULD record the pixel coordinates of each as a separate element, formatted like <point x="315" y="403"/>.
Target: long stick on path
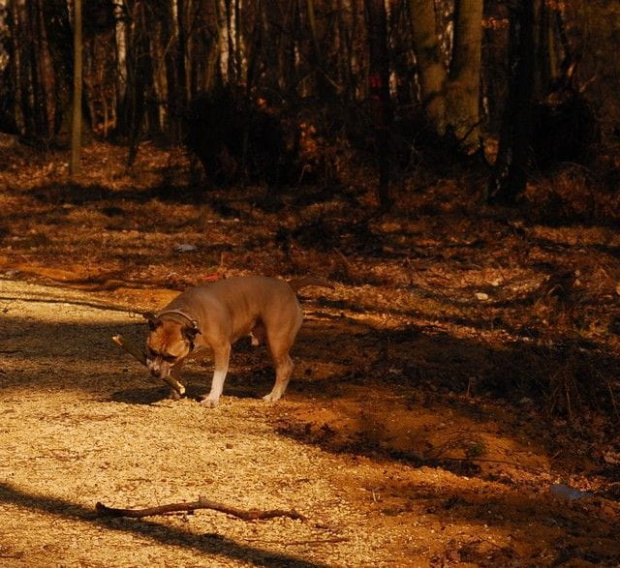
<point x="202" y="503"/>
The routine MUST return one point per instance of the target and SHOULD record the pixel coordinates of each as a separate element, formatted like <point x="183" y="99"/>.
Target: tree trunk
<point x="509" y="176"/>
<point x="182" y="101"/>
<point x="431" y="69"/>
<point x="324" y="89"/>
<point x="60" y="42"/>
<point x="463" y="102"/>
<point x="346" y="31"/>
<point x="37" y="54"/>
<point x="120" y="91"/>
<point x="76" y="117"/>
<point x="546" y="50"/>
<point x="20" y="38"/>
<point x="380" y="93"/>
<point x="137" y="74"/>
<point x="204" y="48"/>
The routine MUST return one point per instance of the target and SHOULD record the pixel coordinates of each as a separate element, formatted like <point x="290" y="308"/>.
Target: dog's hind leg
<point x="280" y="345"/>
<point x="284" y="368"/>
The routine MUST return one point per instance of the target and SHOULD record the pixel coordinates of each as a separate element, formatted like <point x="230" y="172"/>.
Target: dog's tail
<point x="299" y="283"/>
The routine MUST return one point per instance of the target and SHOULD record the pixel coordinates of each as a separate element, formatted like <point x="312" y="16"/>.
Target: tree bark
<point x="463" y="103"/>
<point x="324" y="88"/>
<point x="380" y="94"/>
<point x="181" y="52"/>
<point x="76" y="116"/>
<point x="60" y="42"/>
<point x="546" y="50"/>
<point x="138" y="67"/>
<point x="432" y="72"/>
<point x="37" y="53"/>
<point x="509" y="176"/>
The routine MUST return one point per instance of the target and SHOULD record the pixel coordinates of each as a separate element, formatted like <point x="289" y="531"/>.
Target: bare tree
<point x="76" y="117"/>
<point x="379" y="78"/>
<point x="60" y="44"/>
<point x="463" y="95"/>
<point x="510" y="170"/>
<point x="432" y="73"/>
<point x="139" y="73"/>
<point x="449" y="92"/>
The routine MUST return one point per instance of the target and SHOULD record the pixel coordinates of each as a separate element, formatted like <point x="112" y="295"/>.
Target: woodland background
<point x="451" y="166"/>
<point x="290" y="91"/>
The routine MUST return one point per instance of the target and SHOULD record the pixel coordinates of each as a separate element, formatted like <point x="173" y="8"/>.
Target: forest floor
<point x="456" y="399"/>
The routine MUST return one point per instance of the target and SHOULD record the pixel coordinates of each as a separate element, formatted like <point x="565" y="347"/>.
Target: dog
<point x="216" y="315"/>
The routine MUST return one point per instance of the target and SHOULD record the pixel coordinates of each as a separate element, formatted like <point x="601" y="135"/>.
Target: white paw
<point x="209" y="402"/>
<point x="271" y="397"/>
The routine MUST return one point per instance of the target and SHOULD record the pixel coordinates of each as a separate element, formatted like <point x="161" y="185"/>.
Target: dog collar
<point x="181" y="313"/>
<point x="192" y="322"/>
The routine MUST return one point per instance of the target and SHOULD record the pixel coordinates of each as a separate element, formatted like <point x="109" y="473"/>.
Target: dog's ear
<point x="191" y="331"/>
<point x="154" y="321"/>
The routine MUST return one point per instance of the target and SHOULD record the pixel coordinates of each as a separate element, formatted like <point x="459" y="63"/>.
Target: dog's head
<point x="168" y="343"/>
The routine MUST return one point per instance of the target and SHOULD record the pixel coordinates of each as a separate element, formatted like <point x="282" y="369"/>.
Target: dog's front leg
<point x="175" y="373"/>
<point x="221" y="356"/>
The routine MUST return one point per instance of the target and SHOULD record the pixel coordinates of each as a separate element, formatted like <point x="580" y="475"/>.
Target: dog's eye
<point x="163" y="356"/>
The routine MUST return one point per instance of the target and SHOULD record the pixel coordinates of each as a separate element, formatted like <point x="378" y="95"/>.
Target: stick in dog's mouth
<point x="140" y="356"/>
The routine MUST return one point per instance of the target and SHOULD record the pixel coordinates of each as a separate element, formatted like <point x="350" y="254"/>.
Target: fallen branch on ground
<point x="202" y="503"/>
<point x="139" y="354"/>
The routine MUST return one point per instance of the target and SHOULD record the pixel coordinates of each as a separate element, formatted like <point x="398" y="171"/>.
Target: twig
<point x="335" y="540"/>
<point x="202" y="503"/>
<point x="345" y="261"/>
<point x="139" y="354"/>
<point x="130" y="348"/>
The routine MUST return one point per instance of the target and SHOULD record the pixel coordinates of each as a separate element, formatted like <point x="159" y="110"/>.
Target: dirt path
<point x="366" y="462"/>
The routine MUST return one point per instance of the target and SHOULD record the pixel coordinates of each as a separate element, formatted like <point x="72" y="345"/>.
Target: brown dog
<point x="218" y="314"/>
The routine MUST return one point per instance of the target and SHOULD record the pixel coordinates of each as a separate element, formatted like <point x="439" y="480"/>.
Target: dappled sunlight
<point x="462" y="365"/>
<point x="438" y="183"/>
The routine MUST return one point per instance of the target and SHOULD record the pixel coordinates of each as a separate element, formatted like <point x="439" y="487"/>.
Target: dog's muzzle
<point x="157" y="369"/>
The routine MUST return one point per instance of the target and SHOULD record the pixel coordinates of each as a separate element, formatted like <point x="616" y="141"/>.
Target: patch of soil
<point x="454" y="400"/>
